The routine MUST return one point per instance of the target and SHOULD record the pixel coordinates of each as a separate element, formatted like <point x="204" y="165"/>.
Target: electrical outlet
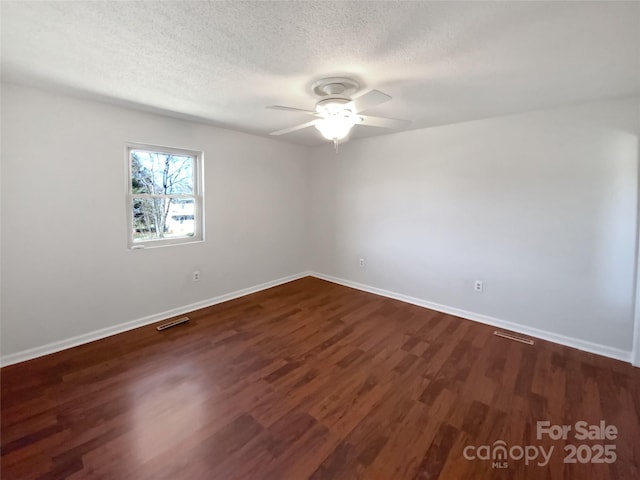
<point x="196" y="276"/>
<point x="362" y="262"/>
<point x="477" y="286"/>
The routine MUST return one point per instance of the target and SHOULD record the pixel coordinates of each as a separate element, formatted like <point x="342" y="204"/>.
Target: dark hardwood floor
<point x="312" y="380"/>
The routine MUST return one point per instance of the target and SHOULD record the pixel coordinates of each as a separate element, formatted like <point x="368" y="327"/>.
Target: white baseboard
<point x="596" y="348"/>
<point x="635" y="353"/>
<point x="140" y="322"/>
<point x="585" y="345"/>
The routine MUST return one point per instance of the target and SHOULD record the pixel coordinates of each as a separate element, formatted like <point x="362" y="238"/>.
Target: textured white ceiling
<point x="223" y="62"/>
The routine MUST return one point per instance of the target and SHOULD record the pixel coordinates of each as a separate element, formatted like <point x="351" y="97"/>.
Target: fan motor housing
<point x="333" y="104"/>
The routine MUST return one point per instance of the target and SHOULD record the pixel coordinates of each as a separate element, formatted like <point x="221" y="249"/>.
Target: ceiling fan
<point x="337" y="112"/>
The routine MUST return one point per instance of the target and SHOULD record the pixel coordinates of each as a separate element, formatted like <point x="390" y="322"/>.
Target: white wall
<point x="540" y="206"/>
<point x="66" y="270"/>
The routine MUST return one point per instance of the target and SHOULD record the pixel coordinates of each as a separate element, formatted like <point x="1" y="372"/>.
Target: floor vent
<point x="513" y="337"/>
<point x="172" y="323"/>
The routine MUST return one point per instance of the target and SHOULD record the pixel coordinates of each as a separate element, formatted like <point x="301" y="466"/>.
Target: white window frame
<point x="198" y="196"/>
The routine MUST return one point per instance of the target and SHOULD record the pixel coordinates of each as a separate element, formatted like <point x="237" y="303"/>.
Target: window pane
<point x="155" y="218"/>
<point x="156" y="173"/>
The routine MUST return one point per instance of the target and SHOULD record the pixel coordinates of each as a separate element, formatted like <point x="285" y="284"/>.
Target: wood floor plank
<point x="312" y="380"/>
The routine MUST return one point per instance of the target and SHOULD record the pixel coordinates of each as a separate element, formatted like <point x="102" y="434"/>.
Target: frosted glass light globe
<point x="336" y="126"/>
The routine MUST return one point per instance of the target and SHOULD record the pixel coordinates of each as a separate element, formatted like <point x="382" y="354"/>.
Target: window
<point x="164" y="204"/>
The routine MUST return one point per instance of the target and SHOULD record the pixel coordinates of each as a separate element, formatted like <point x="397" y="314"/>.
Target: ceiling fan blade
<point x="292" y="109"/>
<point x="367" y="100"/>
<point x="382" y="122"/>
<point x="293" y="129"/>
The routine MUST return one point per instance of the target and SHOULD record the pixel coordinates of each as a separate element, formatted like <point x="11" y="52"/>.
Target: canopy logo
<point x="499" y="453"/>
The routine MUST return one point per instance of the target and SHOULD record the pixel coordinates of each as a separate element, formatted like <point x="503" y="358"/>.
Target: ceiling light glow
<point x="337" y="126"/>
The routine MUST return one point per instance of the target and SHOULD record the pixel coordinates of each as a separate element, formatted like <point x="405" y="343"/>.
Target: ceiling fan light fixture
<point x="337" y="126"/>
<point x="337" y="112"/>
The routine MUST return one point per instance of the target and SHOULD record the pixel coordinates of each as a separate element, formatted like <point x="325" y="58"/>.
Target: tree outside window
<point x="164" y="196"/>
